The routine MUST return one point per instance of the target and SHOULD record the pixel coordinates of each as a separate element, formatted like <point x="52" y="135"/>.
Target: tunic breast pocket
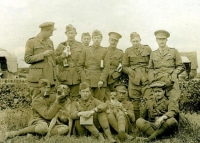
<point x="115" y="61"/>
<point x="145" y="57"/>
<point x="170" y="59"/>
<point x="132" y="57"/>
<point x="77" y="53"/>
<point x="38" y="50"/>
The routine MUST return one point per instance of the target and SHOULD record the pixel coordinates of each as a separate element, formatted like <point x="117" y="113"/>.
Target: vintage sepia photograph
<point x="99" y="71"/>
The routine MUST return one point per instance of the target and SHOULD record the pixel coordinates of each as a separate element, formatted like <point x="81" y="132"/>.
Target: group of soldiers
<point x="91" y="75"/>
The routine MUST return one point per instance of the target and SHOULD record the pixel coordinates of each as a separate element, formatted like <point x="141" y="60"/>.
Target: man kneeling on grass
<point x="89" y="115"/>
<point x="159" y="116"/>
<point x="45" y="106"/>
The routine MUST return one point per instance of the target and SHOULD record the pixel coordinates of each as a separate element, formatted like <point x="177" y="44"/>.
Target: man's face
<point x="158" y="93"/>
<point x="85" y="94"/>
<point x="161" y="42"/>
<point x="86" y="40"/>
<point x="48" y="33"/>
<point x="121" y="95"/>
<point x="113" y="42"/>
<point x="135" y="41"/>
<point x="71" y="35"/>
<point x="97" y="40"/>
<point x="45" y="90"/>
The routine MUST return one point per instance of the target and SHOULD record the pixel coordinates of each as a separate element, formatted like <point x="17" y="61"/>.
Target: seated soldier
<point x="86" y="107"/>
<point x="159" y="114"/>
<point x="45" y="106"/>
<point x="120" y="113"/>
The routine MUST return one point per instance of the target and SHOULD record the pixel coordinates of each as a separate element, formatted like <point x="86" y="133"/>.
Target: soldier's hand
<point x="48" y="53"/>
<point x="119" y="68"/>
<point x="131" y="73"/>
<point x="100" y="84"/>
<point x="60" y="98"/>
<point x="64" y="55"/>
<point x="160" y="120"/>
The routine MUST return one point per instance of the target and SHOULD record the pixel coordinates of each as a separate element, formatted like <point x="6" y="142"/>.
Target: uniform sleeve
<point x="58" y="53"/>
<point x="125" y="63"/>
<point x="46" y="112"/>
<point x="74" y="111"/>
<point x="104" y="74"/>
<point x="100" y="105"/>
<point x="151" y="69"/>
<point x="29" y="56"/>
<point x="144" y="111"/>
<point x="130" y="112"/>
<point x="173" y="109"/>
<point x="178" y="62"/>
<point x="81" y="61"/>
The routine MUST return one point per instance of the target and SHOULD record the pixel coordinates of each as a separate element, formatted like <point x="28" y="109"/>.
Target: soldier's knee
<point x="41" y="128"/>
<point x="140" y="123"/>
<point x="171" y="122"/>
<point x="63" y="130"/>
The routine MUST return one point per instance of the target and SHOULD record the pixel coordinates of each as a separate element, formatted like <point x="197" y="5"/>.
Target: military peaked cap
<point x="115" y="35"/>
<point x="158" y="84"/>
<point x="47" y="25"/>
<point x="161" y="34"/>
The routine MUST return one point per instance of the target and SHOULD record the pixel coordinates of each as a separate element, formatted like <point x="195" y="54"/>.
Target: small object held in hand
<point x="86" y="121"/>
<point x="119" y="68"/>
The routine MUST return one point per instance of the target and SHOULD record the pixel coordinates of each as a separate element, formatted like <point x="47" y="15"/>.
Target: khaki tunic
<point x="162" y="66"/>
<point x="69" y="75"/>
<point x="115" y="58"/>
<point x="89" y="105"/>
<point x="44" y="108"/>
<point x="129" y="109"/>
<point x="154" y="109"/>
<point x="41" y="67"/>
<point x="135" y="62"/>
<point x="90" y="65"/>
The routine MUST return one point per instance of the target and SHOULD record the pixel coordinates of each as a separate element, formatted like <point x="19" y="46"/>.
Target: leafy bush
<point x="190" y="96"/>
<point x="14" y="95"/>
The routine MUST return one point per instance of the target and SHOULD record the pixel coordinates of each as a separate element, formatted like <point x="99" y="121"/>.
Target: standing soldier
<point x="115" y="58"/>
<point x="68" y="53"/>
<point x="94" y="65"/>
<point x="40" y="54"/>
<point x="135" y="62"/>
<point x="85" y="39"/>
<point x="165" y="64"/>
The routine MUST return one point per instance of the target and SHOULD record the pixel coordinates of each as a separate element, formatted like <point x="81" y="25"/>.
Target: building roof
<point x="11" y="60"/>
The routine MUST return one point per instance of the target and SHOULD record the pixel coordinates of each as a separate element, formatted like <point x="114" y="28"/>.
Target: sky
<point x="20" y="20"/>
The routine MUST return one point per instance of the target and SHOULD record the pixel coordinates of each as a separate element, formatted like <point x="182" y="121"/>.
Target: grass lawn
<point x="14" y="119"/>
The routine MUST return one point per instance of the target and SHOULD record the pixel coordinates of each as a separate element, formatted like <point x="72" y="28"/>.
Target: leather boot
<point x="101" y="138"/>
<point x="159" y="131"/>
<point x="122" y="136"/>
<point x="109" y="135"/>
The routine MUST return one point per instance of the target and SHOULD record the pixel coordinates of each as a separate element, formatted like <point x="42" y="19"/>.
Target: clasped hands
<point x="160" y="120"/>
<point x="87" y="114"/>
